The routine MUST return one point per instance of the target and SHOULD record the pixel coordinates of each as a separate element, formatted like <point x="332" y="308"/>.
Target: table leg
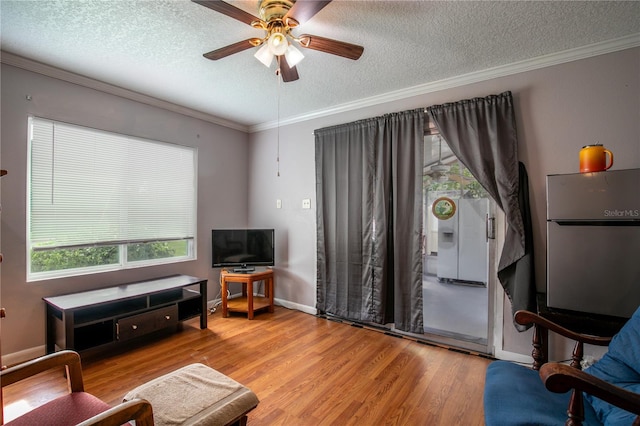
<point x="224" y="297"/>
<point x="250" y="299"/>
<point x="203" y="296"/>
<point x="50" y="344"/>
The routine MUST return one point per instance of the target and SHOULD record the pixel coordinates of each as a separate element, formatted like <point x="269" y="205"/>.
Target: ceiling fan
<point x="439" y="171"/>
<point x="278" y="18"/>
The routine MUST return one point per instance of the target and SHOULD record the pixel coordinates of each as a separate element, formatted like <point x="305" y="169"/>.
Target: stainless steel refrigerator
<point x="593" y="242"/>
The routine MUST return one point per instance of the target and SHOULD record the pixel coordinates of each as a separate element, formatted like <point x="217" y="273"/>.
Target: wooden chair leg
<point x="576" y="357"/>
<point x="539" y="353"/>
<point x="576" y="409"/>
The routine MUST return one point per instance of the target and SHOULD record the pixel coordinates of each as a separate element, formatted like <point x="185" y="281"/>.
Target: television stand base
<point x="244" y="270"/>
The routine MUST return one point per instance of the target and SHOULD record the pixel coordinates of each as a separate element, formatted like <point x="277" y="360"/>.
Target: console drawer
<point x="148" y="322"/>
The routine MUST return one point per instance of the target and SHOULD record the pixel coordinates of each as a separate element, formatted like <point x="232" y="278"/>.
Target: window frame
<point x="189" y="252"/>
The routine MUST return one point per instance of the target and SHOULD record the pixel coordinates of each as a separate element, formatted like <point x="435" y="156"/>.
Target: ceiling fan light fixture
<point x="277" y="19"/>
<point x="293" y="55"/>
<point x="441" y="177"/>
<point x="440" y="168"/>
<point x="278" y="43"/>
<point x="264" y="55"/>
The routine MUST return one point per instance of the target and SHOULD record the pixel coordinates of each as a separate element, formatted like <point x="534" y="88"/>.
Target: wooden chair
<point x="552" y="393"/>
<point x="77" y="407"/>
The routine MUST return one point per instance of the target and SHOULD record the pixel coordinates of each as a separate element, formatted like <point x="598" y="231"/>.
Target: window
<point x="100" y="201"/>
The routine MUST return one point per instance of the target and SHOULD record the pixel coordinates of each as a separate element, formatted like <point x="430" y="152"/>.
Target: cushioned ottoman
<point x="196" y="395"/>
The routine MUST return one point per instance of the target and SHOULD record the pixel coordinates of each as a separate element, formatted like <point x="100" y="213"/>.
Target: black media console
<point x="97" y="320"/>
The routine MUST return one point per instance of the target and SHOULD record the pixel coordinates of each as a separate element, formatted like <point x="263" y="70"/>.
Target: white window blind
<point x="90" y="187"/>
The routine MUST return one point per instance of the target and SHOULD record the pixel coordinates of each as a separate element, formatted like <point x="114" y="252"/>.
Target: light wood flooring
<point x="305" y="370"/>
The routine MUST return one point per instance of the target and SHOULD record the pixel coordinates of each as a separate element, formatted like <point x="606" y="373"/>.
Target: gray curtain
<point x="482" y="134"/>
<point x="369" y="220"/>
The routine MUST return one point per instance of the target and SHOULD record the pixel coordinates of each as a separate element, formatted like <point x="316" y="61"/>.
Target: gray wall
<point x="559" y="109"/>
<point x="222" y="183"/>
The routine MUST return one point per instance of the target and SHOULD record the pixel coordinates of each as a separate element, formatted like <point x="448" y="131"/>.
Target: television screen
<point x="242" y="248"/>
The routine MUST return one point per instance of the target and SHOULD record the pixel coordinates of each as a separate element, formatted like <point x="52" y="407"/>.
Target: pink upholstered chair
<point x="77" y="407"/>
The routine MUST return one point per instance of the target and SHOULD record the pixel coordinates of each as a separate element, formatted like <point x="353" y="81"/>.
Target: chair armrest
<point x="526" y="318"/>
<point x="562" y="378"/>
<point x="66" y="358"/>
<point x="137" y="409"/>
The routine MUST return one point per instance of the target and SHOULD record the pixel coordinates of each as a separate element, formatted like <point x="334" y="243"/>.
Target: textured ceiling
<point x="155" y="47"/>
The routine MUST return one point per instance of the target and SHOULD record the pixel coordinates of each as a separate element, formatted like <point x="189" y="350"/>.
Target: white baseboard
<point x="513" y="356"/>
<point x="296" y="306"/>
<point x="279" y="302"/>
<point x="22" y="356"/>
<point x="213" y="304"/>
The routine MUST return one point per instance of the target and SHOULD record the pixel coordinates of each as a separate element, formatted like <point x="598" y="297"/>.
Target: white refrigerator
<point x="463" y="253"/>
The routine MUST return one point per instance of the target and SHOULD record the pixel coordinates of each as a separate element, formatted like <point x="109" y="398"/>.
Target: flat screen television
<point x="242" y="249"/>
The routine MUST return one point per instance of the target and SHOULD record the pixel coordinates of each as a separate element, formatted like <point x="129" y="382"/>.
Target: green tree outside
<point x="61" y="259"/>
<point x="470" y="189"/>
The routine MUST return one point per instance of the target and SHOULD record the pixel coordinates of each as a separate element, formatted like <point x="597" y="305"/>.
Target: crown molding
<point x="60" y="74"/>
<point x="596" y="49"/>
<point x="544" y="61"/>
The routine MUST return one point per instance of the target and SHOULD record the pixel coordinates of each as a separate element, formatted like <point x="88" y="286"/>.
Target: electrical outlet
<point x="306" y="203"/>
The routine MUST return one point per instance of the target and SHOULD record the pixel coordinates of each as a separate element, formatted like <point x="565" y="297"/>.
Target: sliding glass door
<point x="457" y="250"/>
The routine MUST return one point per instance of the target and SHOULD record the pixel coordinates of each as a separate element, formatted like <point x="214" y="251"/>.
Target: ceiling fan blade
<point x="288" y="73"/>
<point x="229" y="10"/>
<point x="303" y="10"/>
<point x="334" y="47"/>
<point x="223" y="52"/>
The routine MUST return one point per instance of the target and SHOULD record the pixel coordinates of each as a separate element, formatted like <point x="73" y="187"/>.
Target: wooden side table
<point x="248" y="303"/>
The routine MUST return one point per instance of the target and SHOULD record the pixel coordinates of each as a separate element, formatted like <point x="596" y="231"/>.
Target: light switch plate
<point x="278" y="204"/>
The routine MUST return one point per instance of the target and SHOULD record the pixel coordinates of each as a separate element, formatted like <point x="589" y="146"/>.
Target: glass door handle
<point x="490" y="229"/>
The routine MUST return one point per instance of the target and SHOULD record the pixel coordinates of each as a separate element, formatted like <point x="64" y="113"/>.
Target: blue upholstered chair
<point x="552" y="393"/>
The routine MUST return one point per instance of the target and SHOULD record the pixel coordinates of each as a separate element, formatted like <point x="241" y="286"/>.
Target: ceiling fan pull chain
<point x="278" y="134"/>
